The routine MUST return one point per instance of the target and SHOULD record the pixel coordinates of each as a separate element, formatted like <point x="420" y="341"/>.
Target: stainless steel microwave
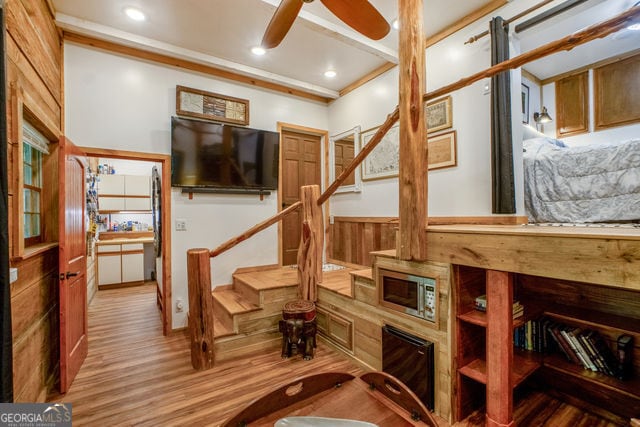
<point x="409" y="294"/>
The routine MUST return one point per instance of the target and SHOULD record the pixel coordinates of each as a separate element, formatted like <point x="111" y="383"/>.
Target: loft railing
<point x="310" y="250"/>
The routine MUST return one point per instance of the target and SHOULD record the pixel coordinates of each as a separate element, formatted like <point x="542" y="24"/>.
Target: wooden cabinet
<point x="334" y="327"/>
<point x="124" y="193"/>
<point x="572" y="105"/>
<point x="120" y="263"/>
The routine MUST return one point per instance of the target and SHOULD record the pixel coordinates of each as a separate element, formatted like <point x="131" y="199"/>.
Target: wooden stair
<point x="246" y="313"/>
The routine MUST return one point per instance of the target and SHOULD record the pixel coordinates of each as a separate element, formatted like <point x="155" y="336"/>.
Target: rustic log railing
<point x="310" y="270"/>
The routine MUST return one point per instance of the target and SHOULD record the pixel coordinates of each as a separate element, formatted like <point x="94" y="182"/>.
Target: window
<point x="34" y="148"/>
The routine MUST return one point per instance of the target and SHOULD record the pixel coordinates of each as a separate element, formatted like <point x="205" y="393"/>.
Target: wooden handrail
<point x="253" y="230"/>
<point x="593" y="32"/>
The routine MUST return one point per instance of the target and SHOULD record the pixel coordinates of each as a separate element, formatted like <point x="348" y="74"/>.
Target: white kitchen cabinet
<point x="137" y="204"/>
<point x="135" y="185"/>
<point x="111" y="184"/>
<point x="132" y="267"/>
<point x="120" y="263"/>
<point x="111" y="204"/>
<point x="109" y="268"/>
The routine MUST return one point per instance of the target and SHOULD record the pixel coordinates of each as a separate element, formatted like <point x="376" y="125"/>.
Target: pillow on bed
<point x="529" y="132"/>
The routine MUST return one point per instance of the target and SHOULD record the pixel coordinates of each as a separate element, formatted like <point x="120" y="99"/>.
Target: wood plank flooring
<point x="135" y="376"/>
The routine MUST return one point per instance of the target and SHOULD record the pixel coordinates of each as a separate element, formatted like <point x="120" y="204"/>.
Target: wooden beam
<point x="367" y="78"/>
<point x="188" y="65"/>
<point x="311" y="244"/>
<point x="200" y="315"/>
<point x="463" y="22"/>
<point x="412" y="176"/>
<point x="254" y="230"/>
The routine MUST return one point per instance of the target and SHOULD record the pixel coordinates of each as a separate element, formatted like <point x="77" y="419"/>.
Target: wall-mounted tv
<point x="213" y="155"/>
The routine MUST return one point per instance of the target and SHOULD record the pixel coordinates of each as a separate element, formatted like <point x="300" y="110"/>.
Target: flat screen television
<point x="213" y="155"/>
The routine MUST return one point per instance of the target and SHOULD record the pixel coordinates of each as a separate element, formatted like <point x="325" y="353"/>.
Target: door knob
<point x="70" y="274"/>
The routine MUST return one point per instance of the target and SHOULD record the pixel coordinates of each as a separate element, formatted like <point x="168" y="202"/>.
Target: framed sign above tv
<point x="211" y="106"/>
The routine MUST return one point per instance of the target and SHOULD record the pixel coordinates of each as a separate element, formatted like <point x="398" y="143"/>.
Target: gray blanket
<point x="581" y="184"/>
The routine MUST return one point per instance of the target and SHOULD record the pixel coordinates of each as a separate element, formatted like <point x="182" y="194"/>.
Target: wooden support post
<point x="499" y="348"/>
<point x="311" y="243"/>
<point x="200" y="308"/>
<point x="412" y="242"/>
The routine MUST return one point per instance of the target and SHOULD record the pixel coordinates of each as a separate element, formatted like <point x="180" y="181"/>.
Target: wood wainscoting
<point x="352" y="238"/>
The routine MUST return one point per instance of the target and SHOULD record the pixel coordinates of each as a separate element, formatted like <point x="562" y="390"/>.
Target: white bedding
<point x="581" y="184"/>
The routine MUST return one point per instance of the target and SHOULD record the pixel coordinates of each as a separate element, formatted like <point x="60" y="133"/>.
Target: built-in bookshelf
<point x="591" y="312"/>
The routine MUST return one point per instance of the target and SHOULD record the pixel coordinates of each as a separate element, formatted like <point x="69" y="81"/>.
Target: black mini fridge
<point x="410" y="359"/>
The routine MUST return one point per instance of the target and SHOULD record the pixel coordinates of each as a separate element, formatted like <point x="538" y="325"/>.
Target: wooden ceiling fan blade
<point x="361" y="16"/>
<point x="281" y="22"/>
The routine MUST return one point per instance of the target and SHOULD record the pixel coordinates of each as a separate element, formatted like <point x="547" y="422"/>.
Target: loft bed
<point x="587" y="184"/>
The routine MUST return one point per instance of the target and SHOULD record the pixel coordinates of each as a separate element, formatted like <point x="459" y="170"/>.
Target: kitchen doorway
<point x="146" y="256"/>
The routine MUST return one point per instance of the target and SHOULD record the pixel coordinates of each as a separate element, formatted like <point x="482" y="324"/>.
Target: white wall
<point x="120" y="103"/>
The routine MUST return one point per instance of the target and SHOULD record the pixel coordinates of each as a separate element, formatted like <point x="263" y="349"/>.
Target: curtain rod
<point x="540" y="18"/>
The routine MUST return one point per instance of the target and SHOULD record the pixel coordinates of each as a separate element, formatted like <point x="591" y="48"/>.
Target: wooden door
<point x="72" y="263"/>
<point x="300" y="166"/>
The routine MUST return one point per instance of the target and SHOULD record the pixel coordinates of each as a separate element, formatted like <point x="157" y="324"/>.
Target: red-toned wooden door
<point x="300" y="166"/>
<point x="72" y="262"/>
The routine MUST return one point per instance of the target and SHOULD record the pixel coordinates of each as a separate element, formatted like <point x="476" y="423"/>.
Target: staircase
<point x="246" y="313"/>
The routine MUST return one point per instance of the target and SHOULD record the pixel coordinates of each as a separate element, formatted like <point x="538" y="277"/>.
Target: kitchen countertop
<point x="125" y="240"/>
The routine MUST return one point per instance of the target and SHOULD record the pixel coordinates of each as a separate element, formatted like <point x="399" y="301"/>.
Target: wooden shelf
<point x="476" y="370"/>
<point x="630" y="387"/>
<point x="475" y="317"/>
<point x="594" y="319"/>
<point x="479" y="318"/>
<point x="525" y="363"/>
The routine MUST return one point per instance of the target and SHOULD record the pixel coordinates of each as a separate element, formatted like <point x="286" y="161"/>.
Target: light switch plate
<point x="13" y="275"/>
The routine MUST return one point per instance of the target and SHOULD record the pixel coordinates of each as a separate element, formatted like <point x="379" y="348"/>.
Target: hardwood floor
<point x="135" y="376"/>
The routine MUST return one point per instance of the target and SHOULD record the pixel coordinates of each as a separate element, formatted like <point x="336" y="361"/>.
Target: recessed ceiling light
<point x="634" y="27"/>
<point x="330" y="74"/>
<point x="134" y="14"/>
<point x="258" y="50"/>
<point x="395" y="24"/>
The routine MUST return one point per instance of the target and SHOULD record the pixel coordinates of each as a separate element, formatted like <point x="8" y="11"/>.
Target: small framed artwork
<point x="211" y="106"/>
<point x="525" y="103"/>
<point x="442" y="151"/>
<point x="438" y="115"/>
<point x="383" y="161"/>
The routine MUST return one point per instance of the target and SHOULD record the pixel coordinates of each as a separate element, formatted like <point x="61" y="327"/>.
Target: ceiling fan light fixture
<point x="135" y="14"/>
<point x="330" y="74"/>
<point x="258" y="50"/>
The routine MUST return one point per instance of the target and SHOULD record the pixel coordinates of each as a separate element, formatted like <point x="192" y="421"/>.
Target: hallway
<point x="135" y="376"/>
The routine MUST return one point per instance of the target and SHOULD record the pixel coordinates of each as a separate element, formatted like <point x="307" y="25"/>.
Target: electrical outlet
<point x="181" y="225"/>
<point x="179" y="305"/>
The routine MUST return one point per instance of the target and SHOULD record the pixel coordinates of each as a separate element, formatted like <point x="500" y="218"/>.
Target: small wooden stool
<point x="298" y="327"/>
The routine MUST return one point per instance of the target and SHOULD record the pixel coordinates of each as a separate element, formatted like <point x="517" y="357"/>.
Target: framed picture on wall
<point x="383" y="161"/>
<point x="438" y="115"/>
<point x="525" y="103"/>
<point x="442" y="151"/>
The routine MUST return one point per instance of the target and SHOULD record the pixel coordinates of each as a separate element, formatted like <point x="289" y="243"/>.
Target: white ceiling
<point x="220" y="33"/>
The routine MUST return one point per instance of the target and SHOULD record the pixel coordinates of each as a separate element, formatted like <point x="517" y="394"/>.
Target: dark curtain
<point x="504" y="197"/>
<point x="6" y="342"/>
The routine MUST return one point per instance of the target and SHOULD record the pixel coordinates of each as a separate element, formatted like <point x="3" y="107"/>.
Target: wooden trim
<point x="324" y="140"/>
<point x="531" y="77"/>
<point x="165" y="161"/>
<point x="464" y="21"/>
<point x="594" y="65"/>
<point x="121" y="285"/>
<point x="442" y="220"/>
<point x="367" y="78"/>
<point x="34" y="250"/>
<point x="188" y="65"/>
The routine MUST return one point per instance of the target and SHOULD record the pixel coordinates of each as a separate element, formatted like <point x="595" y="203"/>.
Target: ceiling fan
<point x="358" y="14"/>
